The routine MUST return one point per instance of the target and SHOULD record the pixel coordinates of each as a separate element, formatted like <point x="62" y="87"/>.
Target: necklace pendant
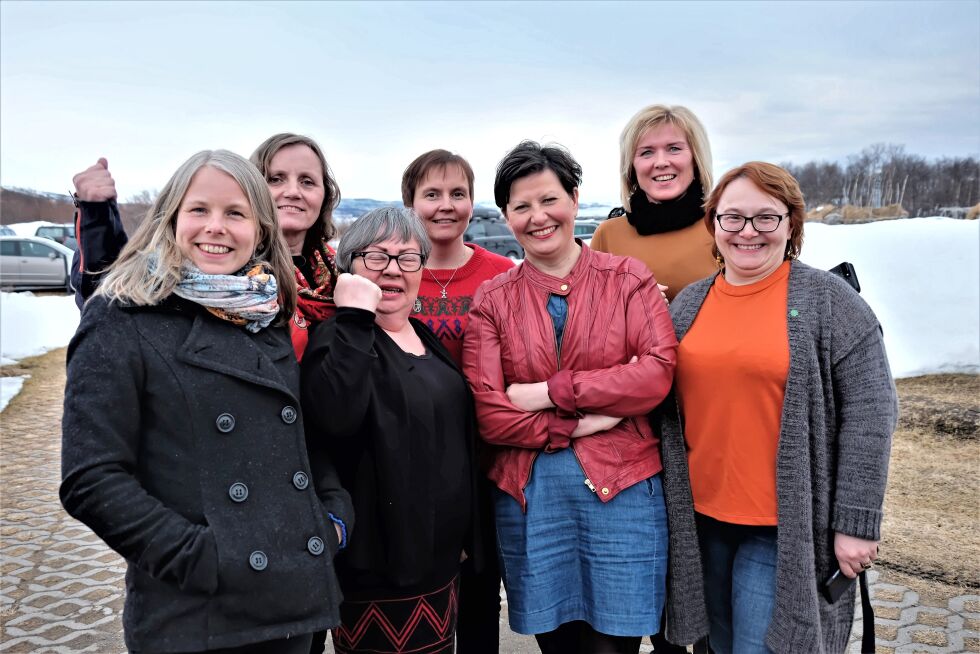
<point x="443" y="294"/>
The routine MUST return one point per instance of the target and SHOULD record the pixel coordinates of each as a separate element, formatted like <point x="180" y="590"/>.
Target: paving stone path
<point x="61" y="589"/>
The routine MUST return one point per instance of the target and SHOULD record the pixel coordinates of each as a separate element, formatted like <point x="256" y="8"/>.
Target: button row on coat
<point x="258" y="561"/>
<point x="226" y="422"/>
<point x="238" y="491"/>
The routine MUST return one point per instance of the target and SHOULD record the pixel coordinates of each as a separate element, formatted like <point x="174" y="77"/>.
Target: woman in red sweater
<point x="438" y="186"/>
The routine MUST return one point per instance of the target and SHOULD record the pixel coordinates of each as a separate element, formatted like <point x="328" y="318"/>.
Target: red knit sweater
<point x="448" y="317"/>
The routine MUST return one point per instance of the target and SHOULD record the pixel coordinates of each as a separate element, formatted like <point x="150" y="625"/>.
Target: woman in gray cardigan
<point x="786" y="404"/>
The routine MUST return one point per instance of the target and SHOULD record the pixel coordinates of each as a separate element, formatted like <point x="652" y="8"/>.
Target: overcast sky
<point x="377" y="83"/>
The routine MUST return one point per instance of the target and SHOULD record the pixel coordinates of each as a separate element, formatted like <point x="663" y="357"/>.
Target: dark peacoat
<point x="184" y="450"/>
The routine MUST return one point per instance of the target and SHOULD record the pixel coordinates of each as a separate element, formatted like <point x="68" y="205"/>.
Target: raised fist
<point x="95" y="184"/>
<point x="356" y="291"/>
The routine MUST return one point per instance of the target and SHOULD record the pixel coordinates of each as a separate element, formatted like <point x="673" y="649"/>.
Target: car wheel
<point x="512" y="254"/>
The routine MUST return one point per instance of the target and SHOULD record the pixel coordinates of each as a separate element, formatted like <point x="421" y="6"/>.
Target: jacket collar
<point x="230" y="350"/>
<point x="560" y="285"/>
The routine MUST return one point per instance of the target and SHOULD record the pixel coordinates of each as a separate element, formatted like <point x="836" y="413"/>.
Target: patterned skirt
<point x="416" y="624"/>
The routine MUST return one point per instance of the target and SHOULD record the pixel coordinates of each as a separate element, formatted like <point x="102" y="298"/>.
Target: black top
<point x="401" y="431"/>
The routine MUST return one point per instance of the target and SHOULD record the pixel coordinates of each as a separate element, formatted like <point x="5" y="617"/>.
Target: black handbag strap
<point x="867" y="616"/>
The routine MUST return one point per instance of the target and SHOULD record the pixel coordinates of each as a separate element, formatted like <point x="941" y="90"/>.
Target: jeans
<point x="739" y="584"/>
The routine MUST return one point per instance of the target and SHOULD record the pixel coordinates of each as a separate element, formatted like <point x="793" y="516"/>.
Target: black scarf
<point x="657" y="218"/>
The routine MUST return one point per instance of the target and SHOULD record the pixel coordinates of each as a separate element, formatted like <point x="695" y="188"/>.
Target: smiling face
<point x="750" y="255"/>
<point x="398" y="289"/>
<point x="663" y="163"/>
<point x="443" y="203"/>
<point x="295" y="179"/>
<point x="216" y="229"/>
<point x="542" y="216"/>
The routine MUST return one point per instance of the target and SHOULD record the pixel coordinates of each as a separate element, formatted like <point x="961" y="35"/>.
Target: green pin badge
<point x="794" y="312"/>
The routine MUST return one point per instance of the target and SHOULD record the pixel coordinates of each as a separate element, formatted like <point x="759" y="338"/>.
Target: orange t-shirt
<point x="731" y="376"/>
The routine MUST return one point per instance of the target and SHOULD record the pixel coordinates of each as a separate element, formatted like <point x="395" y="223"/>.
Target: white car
<point x="32" y="262"/>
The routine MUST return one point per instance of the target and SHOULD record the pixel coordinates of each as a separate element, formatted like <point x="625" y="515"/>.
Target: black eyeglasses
<point x="764" y="222"/>
<point x="378" y="261"/>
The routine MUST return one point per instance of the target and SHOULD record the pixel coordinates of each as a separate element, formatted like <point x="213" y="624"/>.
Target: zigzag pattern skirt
<point x="419" y="624"/>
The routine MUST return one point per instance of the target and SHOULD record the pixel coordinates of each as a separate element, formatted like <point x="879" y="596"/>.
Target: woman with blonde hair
<point x="305" y="195"/>
<point x="183" y="445"/>
<point x="665" y="174"/>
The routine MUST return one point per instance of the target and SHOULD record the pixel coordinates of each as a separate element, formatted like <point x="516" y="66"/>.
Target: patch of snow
<point x="34" y="324"/>
<point x="9" y="387"/>
<point x="921" y="278"/>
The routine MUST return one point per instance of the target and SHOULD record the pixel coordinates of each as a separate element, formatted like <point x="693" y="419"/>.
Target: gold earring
<point x="720" y="260"/>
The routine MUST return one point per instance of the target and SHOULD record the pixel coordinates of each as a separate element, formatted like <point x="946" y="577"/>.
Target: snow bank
<point x="922" y="278"/>
<point x="32" y="325"/>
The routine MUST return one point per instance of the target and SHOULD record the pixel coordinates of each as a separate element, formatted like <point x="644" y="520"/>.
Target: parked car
<point x="6" y="231"/>
<point x="31" y="262"/>
<point x="584" y="229"/>
<point x="494" y="235"/>
<point x="64" y="234"/>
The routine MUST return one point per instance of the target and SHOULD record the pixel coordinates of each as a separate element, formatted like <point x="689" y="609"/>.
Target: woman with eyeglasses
<point x="786" y="403"/>
<point x="396" y="415"/>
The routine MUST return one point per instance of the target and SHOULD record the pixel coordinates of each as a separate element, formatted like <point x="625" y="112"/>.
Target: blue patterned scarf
<point x="250" y="298"/>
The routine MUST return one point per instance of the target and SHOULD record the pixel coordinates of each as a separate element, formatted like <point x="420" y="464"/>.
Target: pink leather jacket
<point x="615" y="311"/>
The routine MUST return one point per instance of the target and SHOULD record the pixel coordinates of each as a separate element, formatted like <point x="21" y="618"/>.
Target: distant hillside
<point x="24" y="205"/>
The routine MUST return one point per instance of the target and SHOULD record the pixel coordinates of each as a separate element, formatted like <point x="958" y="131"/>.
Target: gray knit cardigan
<point x="838" y="415"/>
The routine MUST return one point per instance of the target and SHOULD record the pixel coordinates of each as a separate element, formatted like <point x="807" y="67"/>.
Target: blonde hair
<point x="149" y="267"/>
<point x="652" y="117"/>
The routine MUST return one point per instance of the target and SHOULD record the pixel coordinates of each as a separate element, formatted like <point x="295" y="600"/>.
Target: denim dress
<point x="571" y="556"/>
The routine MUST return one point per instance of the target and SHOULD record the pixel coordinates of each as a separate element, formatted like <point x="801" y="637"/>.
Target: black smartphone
<point x="846" y="272"/>
<point x="834" y="587"/>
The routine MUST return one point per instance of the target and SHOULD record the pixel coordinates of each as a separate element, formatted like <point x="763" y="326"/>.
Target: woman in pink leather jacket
<point x="566" y="355"/>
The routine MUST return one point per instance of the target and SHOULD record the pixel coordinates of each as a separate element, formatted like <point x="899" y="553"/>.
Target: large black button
<point x="258" y="560"/>
<point x="315" y="546"/>
<point x="288" y="415"/>
<point x="238" y="492"/>
<point x="225" y="423"/>
<point x="301" y="480"/>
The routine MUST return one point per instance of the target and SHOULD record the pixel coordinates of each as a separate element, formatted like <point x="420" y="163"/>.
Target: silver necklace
<point x="443" y="295"/>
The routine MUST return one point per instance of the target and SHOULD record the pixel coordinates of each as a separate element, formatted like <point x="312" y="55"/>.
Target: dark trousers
<point x="294" y="645"/>
<point x="478" y="627"/>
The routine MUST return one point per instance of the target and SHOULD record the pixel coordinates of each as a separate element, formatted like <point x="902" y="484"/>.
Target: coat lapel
<point x="230" y="350"/>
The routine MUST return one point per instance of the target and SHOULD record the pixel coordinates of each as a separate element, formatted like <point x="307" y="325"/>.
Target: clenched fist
<point x="95" y="184"/>
<point x="356" y="291"/>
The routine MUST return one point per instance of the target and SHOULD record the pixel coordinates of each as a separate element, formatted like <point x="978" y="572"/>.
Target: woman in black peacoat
<point x="184" y="446"/>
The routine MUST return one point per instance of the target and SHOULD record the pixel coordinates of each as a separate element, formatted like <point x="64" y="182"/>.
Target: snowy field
<point x="921" y="276"/>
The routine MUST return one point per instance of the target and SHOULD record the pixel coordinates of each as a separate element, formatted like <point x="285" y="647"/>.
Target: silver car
<point x="31" y="262"/>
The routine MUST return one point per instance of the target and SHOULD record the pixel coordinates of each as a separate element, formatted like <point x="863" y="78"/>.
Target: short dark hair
<point x="418" y="169"/>
<point x="530" y="157"/>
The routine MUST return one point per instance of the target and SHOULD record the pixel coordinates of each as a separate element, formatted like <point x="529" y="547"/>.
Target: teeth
<point x="748" y="247"/>
<point x="545" y="231"/>
<point x="664" y="178"/>
<point x="214" y="249"/>
<point x="289" y="207"/>
<point x="385" y="289"/>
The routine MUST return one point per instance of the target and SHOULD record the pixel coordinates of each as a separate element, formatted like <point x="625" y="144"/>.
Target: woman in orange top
<point x="788" y="408"/>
